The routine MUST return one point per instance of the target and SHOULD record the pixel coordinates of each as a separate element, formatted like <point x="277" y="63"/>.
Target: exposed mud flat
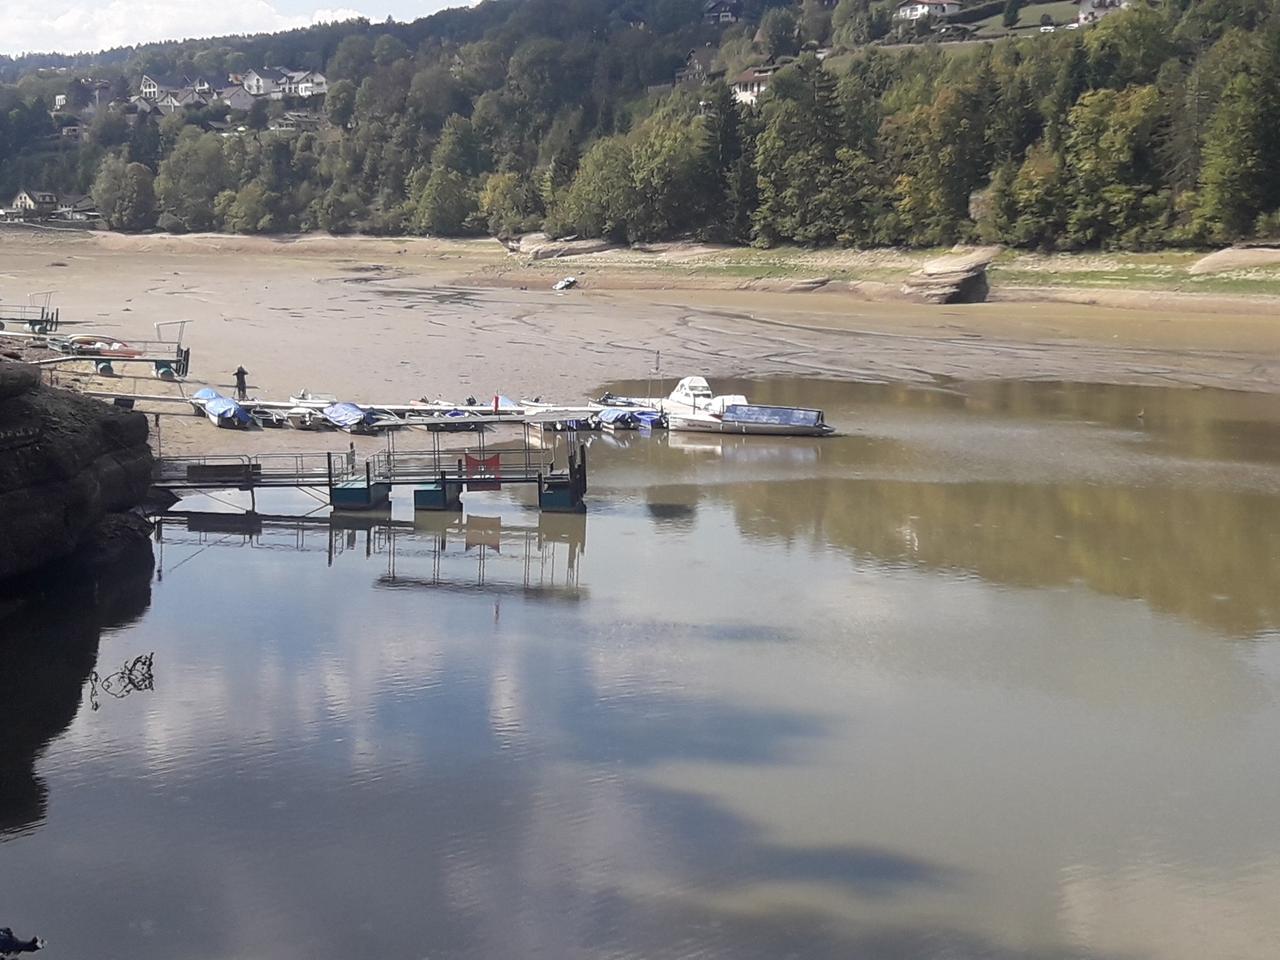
<point x="392" y="320"/>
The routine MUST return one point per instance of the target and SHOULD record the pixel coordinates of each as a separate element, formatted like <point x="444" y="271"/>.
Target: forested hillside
<point x="1158" y="125"/>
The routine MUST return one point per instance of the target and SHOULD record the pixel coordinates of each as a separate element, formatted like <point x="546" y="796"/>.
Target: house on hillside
<point x="697" y="67"/>
<point x="276" y="83"/>
<point x="295" y="121"/>
<point x="34" y="203"/>
<point x="155" y="86"/>
<point x="1091" y="11"/>
<point x="167" y="103"/>
<point x="236" y="98"/>
<point x="265" y="82"/>
<point x="750" y="83"/>
<point x="915" y="9"/>
<point x="306" y="83"/>
<point x="722" y="12"/>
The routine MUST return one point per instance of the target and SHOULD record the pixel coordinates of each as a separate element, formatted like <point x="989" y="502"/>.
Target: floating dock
<point x="438" y="476"/>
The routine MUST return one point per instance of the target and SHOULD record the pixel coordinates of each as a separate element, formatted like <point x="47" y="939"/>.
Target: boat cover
<point x="226" y="409"/>
<point x="347" y="415"/>
<point x="206" y="393"/>
<point x="648" y="418"/>
<point x="616" y="415"/>
<point x="781" y="416"/>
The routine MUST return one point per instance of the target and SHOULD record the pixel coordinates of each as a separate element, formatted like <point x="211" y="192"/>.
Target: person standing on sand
<point x="242" y="389"/>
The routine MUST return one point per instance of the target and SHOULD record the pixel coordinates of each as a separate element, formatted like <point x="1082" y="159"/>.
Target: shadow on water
<point x="49" y="632"/>
<point x="722" y="850"/>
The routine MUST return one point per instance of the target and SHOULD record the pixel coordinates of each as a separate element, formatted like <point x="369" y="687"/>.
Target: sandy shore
<point x="390" y="320"/>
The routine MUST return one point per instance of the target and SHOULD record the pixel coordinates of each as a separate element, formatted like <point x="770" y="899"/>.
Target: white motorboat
<point x="693" y="407"/>
<point x="307" y="418"/>
<point x="753" y="419"/>
<point x="314" y="401"/>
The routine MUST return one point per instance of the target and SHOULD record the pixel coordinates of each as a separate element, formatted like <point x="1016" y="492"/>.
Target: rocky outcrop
<point x="539" y="246"/>
<point x="67" y="463"/>
<point x="958" y="277"/>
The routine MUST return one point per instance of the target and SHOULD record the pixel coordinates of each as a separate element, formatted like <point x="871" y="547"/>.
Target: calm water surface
<point x="994" y="674"/>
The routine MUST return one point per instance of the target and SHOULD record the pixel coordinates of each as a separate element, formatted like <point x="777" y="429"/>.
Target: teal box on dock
<point x="442" y="495"/>
<point x="358" y="495"/>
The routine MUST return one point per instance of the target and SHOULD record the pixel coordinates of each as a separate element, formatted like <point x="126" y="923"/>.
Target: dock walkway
<point x="439" y="475"/>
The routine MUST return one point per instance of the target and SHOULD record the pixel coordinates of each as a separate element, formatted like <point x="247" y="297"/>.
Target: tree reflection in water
<point x="50" y="627"/>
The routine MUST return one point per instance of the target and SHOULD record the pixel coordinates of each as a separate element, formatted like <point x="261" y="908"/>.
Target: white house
<point x="306" y="83"/>
<point x="721" y="12"/>
<point x="38" y="202"/>
<point x="155" y="86"/>
<point x="279" y="82"/>
<point x="915" y="9"/>
<point x="750" y="83"/>
<point x="265" y="82"/>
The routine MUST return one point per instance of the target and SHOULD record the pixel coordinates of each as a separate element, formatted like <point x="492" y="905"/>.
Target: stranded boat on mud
<point x="221" y="411"/>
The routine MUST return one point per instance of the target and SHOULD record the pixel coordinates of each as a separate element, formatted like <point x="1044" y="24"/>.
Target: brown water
<point x="992" y="674"/>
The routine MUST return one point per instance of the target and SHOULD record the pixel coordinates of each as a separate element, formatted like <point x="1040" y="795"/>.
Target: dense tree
<point x="192" y="176"/>
<point x="779" y="28"/>
<point x="1157" y="125"/>
<point x="124" y="194"/>
<point x="445" y="204"/>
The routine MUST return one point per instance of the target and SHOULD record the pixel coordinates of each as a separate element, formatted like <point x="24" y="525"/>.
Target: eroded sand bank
<point x="391" y="320"/>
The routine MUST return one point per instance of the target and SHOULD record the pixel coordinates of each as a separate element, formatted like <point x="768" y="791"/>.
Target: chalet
<point x="155" y="86"/>
<point x="35" y="203"/>
<point x="697" y="67"/>
<point x="168" y="103"/>
<point x="236" y="98"/>
<point x="722" y="12"/>
<point x="750" y="83"/>
<point x="916" y="9"/>
<point x="60" y="101"/>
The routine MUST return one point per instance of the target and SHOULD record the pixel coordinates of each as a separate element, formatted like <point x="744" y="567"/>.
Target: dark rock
<point x="66" y="463"/>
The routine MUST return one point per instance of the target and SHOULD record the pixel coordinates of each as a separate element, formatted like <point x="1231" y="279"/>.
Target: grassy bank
<point x="1167" y="271"/>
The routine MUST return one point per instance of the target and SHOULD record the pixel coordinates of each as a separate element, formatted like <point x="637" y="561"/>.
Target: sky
<point x="71" y="26"/>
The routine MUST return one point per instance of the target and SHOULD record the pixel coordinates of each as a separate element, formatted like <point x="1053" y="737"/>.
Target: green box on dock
<point x="358" y="495"/>
<point x="442" y="495"/>
<point x="560" y="496"/>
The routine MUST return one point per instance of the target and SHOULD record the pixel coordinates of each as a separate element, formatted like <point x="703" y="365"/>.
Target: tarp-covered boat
<point x="350" y="417"/>
<point x="222" y="411"/>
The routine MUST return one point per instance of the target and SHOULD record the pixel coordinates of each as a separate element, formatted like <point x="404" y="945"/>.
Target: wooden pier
<point x="439" y="476"/>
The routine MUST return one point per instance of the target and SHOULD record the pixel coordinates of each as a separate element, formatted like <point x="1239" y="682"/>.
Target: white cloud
<point x="70" y="26"/>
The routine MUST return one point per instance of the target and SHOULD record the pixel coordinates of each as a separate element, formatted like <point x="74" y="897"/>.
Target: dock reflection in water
<point x="992" y="674"/>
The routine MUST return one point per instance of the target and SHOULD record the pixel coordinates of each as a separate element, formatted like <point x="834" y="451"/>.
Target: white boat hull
<point x="709" y="424"/>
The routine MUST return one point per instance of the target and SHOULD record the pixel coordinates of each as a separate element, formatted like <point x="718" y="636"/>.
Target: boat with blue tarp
<point x="222" y="411"/>
<point x="350" y="417"/>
